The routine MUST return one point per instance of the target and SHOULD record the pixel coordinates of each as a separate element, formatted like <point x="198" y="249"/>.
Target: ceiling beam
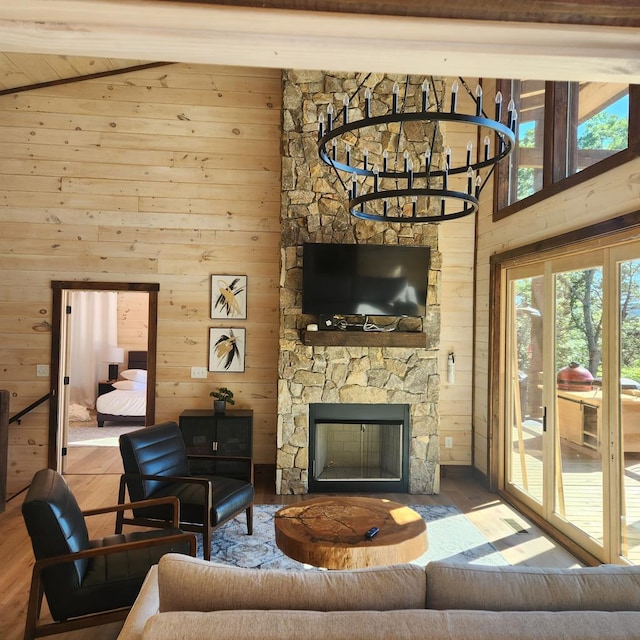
<point x="285" y="38"/>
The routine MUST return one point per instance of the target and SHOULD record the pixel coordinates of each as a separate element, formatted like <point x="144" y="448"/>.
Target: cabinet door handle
<point x="214" y="445"/>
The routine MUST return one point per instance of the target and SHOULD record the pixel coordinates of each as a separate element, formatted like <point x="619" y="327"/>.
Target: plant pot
<point x="219" y="406"/>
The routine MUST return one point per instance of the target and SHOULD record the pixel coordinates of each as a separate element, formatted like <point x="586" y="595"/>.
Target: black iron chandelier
<point x="395" y="177"/>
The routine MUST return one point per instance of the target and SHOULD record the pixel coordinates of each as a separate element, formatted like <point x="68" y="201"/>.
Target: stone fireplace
<point x="314" y="210"/>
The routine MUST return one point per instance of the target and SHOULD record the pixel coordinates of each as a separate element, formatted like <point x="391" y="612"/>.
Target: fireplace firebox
<point x="358" y="448"/>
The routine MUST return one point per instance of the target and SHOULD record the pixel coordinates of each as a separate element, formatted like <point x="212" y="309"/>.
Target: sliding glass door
<point x="626" y="354"/>
<point x="578" y="478"/>
<point x="523" y="364"/>
<point x="571" y="402"/>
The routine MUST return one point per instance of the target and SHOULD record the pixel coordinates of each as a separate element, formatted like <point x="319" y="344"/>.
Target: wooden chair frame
<point x="33" y="630"/>
<point x="206" y="528"/>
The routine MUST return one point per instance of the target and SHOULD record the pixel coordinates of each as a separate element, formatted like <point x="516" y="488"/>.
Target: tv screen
<point x="364" y="279"/>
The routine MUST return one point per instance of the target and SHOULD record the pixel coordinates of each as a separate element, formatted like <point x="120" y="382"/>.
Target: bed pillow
<point x="138" y="375"/>
<point x="129" y="385"/>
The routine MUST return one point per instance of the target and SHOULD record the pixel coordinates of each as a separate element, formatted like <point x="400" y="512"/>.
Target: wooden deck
<point x="581" y="499"/>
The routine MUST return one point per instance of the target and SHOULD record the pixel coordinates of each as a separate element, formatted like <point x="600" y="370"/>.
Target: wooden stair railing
<point x="4" y="447"/>
<point x="5" y="421"/>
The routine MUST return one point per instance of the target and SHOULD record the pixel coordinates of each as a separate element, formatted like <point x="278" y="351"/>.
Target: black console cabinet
<point x="224" y="434"/>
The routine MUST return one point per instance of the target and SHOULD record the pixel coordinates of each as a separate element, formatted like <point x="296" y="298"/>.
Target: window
<point x="525" y="167"/>
<point x="562" y="129"/>
<point x="598" y="123"/>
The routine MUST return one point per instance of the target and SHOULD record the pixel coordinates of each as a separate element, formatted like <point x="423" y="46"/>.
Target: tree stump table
<point x="330" y="532"/>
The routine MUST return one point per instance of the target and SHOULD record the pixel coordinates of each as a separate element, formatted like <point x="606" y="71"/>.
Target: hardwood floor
<point x="517" y="539"/>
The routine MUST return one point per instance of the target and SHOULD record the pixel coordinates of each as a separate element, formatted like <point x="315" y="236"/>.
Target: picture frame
<point x="227" y="349"/>
<point x="228" y="297"/>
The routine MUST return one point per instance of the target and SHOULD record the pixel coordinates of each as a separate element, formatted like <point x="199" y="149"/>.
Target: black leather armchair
<point x="87" y="582"/>
<point x="156" y="465"/>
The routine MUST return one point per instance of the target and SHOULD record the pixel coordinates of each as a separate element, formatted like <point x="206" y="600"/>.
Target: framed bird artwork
<point x="226" y="349"/>
<point x="229" y="297"/>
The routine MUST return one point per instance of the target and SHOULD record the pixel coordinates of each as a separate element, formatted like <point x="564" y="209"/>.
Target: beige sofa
<point x="187" y="599"/>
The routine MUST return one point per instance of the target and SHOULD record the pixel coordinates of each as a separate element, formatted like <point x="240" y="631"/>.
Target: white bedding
<point x="123" y="402"/>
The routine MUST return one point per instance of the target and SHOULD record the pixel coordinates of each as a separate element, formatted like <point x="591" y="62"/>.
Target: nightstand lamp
<point x="115" y="355"/>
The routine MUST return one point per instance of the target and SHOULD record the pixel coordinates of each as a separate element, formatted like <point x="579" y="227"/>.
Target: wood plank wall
<point x="113" y="179"/>
<point x="456" y="241"/>
<point x="166" y="175"/>
<point x="133" y="320"/>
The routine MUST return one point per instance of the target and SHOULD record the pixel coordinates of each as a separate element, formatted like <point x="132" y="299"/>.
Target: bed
<point x="127" y="404"/>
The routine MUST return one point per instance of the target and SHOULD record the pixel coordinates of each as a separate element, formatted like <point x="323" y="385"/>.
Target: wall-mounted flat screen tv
<point x="364" y="279"/>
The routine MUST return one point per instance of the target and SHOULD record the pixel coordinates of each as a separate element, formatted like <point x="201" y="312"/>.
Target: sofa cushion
<point x="145" y="606"/>
<point x="187" y="583"/>
<point x="462" y="586"/>
<point x="398" y="625"/>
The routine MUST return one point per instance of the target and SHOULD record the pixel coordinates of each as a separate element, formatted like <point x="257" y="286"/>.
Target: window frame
<point x="556" y="133"/>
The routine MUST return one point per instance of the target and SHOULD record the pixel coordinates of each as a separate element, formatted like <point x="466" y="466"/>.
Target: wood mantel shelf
<point x="416" y="339"/>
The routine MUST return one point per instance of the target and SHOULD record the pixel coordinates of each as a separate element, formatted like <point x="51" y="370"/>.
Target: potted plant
<point x="223" y="396"/>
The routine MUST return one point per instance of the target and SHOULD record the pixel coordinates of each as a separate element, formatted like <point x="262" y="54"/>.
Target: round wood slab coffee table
<point x="330" y="532"/>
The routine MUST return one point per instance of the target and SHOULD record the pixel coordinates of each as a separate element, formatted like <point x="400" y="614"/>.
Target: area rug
<point x="451" y="536"/>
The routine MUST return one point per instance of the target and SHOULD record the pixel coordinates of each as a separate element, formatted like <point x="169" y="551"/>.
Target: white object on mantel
<point x="312" y="327"/>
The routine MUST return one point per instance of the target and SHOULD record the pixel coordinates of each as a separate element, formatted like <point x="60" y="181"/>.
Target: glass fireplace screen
<point x="358" y="447"/>
<point x="358" y="451"/>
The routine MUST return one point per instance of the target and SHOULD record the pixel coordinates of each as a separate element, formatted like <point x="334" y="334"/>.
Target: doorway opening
<point x="93" y="360"/>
